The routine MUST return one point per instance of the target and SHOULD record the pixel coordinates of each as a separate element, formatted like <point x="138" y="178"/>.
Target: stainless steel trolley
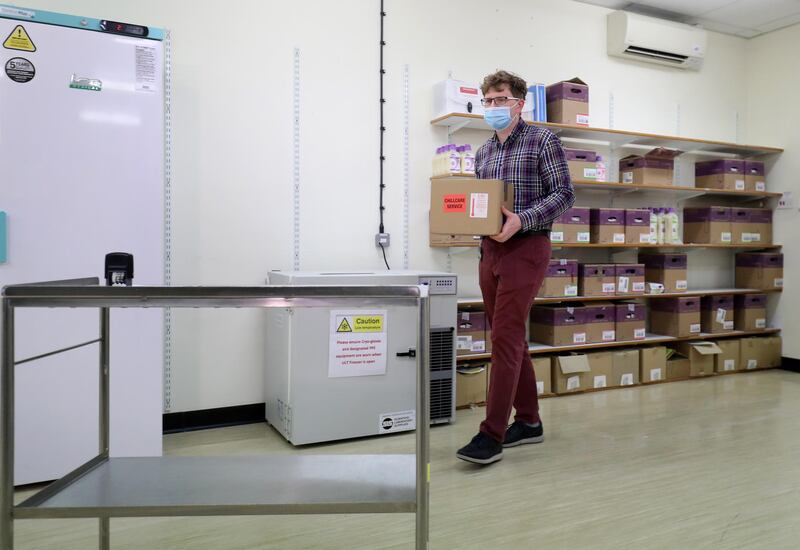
<point x="107" y="487"/>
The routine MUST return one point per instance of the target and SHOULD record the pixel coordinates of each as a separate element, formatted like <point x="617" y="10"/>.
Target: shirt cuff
<point x="527" y="218"/>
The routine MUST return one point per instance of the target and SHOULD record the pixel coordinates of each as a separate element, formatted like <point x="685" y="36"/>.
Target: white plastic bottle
<point x="467" y="160"/>
<point x="672" y="218"/>
<point x="600" y="165"/>
<point x="435" y="162"/>
<point x="653" y="226"/>
<point x="454" y="160"/>
<point x="662" y="230"/>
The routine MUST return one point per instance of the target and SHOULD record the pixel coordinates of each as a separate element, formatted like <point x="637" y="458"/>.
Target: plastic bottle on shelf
<point x="454" y="160"/>
<point x="672" y="219"/>
<point x="435" y="162"/>
<point x="467" y="160"/>
<point x="653" y="226"/>
<point x="600" y="165"/>
<point x="662" y="230"/>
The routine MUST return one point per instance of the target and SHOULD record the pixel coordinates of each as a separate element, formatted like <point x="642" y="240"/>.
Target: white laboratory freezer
<point x="335" y="373"/>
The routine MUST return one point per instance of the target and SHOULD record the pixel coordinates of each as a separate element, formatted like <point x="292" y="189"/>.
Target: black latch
<point x="410" y="353"/>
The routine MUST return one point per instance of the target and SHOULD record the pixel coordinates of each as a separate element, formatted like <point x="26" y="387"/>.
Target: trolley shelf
<point x="236" y="485"/>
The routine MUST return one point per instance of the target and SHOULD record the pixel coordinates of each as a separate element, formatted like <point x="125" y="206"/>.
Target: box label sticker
<point x="655" y="374"/>
<point x="755" y="237"/>
<point x="639" y="333"/>
<point x="727" y="325"/>
<point x="582" y="120"/>
<point x="590" y="173"/>
<point x="454" y="203"/>
<point x="729" y="364"/>
<point x="725" y="237"/>
<point x="357" y="343"/>
<point x="479" y="205"/>
<point x="622" y="284"/>
<point x="464" y="343"/>
<point x="740" y="185"/>
<point x="609" y="288"/>
<point x="747" y="237"/>
<point x="619" y="238"/>
<point x="397" y="422"/>
<point x="627" y="379"/>
<point x="479" y="346"/>
<point x="571" y="290"/>
<point x="644" y="238"/>
<point x="573" y="383"/>
<point x="721" y="315"/>
<point x="694" y="328"/>
<point x="761" y="186"/>
<point x="600" y="381"/>
<point x="752" y="364"/>
<point x="761" y="323"/>
<point x="627" y="177"/>
<point x="579" y="338"/>
<point x="778" y="282"/>
<point x="557" y="237"/>
<point x="681" y="285"/>
<point x="609" y="335"/>
<point x="638" y="286"/>
<point x="539" y="388"/>
<point x="583" y="237"/>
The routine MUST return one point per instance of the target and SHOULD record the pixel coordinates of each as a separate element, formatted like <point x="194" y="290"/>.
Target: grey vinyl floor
<point x="700" y="464"/>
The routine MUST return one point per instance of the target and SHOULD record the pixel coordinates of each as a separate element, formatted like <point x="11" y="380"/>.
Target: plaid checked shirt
<point x="533" y="160"/>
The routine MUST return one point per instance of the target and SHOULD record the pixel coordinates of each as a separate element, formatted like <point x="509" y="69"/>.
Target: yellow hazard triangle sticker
<point x="344" y="326"/>
<point x="19" y="40"/>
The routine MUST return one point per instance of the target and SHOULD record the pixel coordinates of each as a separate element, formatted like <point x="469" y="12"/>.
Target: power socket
<point x="382" y="239"/>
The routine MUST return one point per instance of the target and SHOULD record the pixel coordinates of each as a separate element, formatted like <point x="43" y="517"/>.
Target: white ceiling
<point x="746" y="18"/>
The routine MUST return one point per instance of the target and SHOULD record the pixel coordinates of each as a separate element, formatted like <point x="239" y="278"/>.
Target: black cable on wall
<point x="381" y="207"/>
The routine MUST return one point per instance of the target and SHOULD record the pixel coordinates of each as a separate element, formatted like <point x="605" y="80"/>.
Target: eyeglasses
<point x="498" y="101"/>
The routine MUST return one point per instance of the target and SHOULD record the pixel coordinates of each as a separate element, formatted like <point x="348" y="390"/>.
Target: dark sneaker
<point x="520" y="433"/>
<point x="481" y="450"/>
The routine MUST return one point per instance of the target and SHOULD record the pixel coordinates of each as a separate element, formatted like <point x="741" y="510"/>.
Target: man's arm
<point x="554" y="173"/>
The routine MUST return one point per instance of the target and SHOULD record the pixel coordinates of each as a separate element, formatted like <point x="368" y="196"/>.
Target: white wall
<point x="774" y="117"/>
<point x="232" y="122"/>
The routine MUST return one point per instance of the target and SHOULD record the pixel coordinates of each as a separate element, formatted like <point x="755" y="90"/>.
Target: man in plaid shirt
<point x="514" y="262"/>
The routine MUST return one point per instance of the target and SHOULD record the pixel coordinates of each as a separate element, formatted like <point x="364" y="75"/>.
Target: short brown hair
<point x="496" y="80"/>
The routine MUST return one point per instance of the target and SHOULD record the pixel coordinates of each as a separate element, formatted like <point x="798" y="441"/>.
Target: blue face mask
<point x="498" y="118"/>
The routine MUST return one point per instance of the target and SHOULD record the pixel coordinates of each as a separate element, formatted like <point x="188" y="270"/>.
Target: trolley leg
<point x="104" y="527"/>
<point x="7" y="428"/>
<point x="423" y="425"/>
<point x="105" y="534"/>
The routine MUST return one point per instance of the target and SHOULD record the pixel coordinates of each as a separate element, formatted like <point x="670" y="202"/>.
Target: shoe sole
<point x="483" y="461"/>
<point x="538" y="439"/>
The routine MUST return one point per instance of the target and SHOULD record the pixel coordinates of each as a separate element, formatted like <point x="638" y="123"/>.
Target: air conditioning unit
<point x="653" y="40"/>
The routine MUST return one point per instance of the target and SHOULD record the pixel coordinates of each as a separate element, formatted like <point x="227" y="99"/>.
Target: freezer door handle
<point x="410" y="353"/>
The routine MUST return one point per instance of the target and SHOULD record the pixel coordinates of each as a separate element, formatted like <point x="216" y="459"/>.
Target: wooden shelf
<point x="618" y="138"/>
<point x="677" y="189"/>
<point x="556" y="246"/>
<point x="478" y="302"/>
<point x="542" y="349"/>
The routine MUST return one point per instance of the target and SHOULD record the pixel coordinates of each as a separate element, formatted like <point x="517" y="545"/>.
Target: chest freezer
<point x="334" y="373"/>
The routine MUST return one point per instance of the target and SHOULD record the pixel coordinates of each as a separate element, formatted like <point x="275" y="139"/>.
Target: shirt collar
<point x="518" y="129"/>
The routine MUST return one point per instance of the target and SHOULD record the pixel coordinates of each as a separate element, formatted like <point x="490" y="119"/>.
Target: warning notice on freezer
<point x="19" y="40"/>
<point x="146" y="69"/>
<point x="357" y="343"/>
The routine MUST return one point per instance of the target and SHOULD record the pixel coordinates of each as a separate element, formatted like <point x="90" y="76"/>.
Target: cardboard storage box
<point x="456" y="96"/>
<point x="740" y="225"/>
<point x="601" y="369"/>
<point x="654" y="168"/>
<point x="653" y="364"/>
<point x="471" y="333"/>
<point x="669" y="270"/>
<point x="597" y="279"/>
<point x="625" y="367"/>
<point x="568" y="102"/>
<point x="751" y="353"/>
<point x="678" y="317"/>
<point x="558" y="325"/>
<point x="608" y="225"/>
<point x="761" y="270"/>
<point x="678" y="366"/>
<point x="542" y="370"/>
<point x="561" y="279"/>
<point x="471" y="384"/>
<point x="728" y="358"/>
<point x="582" y="164"/>
<point x="720" y="174"/>
<point x="701" y="356"/>
<point x="754" y="176"/>
<point x="707" y="225"/>
<point x="600" y="320"/>
<point x="453" y="240"/>
<point x="750" y="312"/>
<point x="773" y="351"/>
<point x="631" y="321"/>
<point x="630" y="278"/>
<point x="637" y="226"/>
<point x="571" y="373"/>
<point x="468" y="206"/>
<point x="759" y="228"/>
<point x="573" y="226"/>
<point x="717" y="313"/>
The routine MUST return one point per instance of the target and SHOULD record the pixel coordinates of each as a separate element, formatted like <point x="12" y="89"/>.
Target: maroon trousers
<point x="510" y="276"/>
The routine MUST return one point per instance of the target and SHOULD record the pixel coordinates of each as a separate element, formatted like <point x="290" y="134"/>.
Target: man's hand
<point x="512" y="225"/>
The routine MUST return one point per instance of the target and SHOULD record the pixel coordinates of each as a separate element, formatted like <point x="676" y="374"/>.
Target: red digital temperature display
<point x="124" y="28"/>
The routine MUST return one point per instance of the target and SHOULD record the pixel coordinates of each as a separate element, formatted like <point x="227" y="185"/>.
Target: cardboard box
<point x="582" y="164"/>
<point x="653" y="364"/>
<point x="751" y="354"/>
<point x="773" y="351"/>
<point x="542" y="370"/>
<point x="669" y="270"/>
<point x="630" y="278"/>
<point x="561" y="279"/>
<point x="625" y="367"/>
<point x="707" y="225"/>
<point x="678" y="317"/>
<point x="637" y="226"/>
<point x="754" y="176"/>
<point x="654" y="168"/>
<point x="759" y="228"/>
<point x="602" y="369"/>
<point x="750" y="312"/>
<point x="571" y="373"/>
<point x="558" y="325"/>
<point x="471" y="333"/>
<point x="720" y="174"/>
<point x="677" y="367"/>
<point x="453" y="240"/>
<point x="608" y="225"/>
<point x="740" y="225"/>
<point x="761" y="270"/>
<point x="728" y="358"/>
<point x="457" y="96"/>
<point x="631" y="321"/>
<point x="573" y="226"/>
<point x="471" y="384"/>
<point x="600" y="322"/>
<point x="717" y="314"/>
<point x="468" y="206"/>
<point x="568" y="102"/>
<point x="701" y="356"/>
<point x="597" y="279"/>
